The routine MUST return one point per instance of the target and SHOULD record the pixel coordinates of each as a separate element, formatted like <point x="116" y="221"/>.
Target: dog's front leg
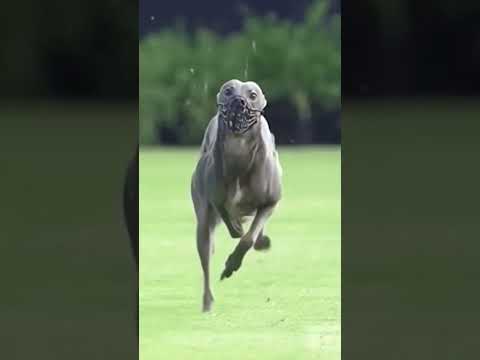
<point x="234" y="226"/>
<point x="235" y="259"/>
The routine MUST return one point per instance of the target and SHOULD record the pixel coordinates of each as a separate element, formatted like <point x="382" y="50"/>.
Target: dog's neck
<point x="237" y="152"/>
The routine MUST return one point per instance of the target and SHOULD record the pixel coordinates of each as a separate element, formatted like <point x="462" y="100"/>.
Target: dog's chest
<point x="238" y="156"/>
<point x="236" y="147"/>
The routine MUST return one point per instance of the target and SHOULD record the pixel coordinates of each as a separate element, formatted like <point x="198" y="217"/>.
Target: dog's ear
<point x="262" y="99"/>
<point x="232" y="82"/>
<point x="220" y="90"/>
<point x="264" y="102"/>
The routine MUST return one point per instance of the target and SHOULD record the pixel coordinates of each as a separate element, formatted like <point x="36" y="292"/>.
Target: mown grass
<point x="283" y="304"/>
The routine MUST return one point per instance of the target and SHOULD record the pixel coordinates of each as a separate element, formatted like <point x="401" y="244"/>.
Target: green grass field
<point x="282" y="304"/>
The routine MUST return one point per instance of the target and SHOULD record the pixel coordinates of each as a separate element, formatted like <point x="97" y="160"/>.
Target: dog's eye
<point x="228" y="92"/>
<point x="253" y="95"/>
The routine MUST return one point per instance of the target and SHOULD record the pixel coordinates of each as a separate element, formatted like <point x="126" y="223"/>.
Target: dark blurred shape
<point x="131" y="213"/>
<point x="130" y="204"/>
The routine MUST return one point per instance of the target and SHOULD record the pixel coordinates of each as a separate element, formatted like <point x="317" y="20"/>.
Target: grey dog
<point x="237" y="178"/>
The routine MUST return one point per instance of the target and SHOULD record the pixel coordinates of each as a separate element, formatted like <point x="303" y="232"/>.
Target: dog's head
<point x="240" y="104"/>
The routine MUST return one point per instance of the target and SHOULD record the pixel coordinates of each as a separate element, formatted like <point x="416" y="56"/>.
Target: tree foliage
<point x="180" y="73"/>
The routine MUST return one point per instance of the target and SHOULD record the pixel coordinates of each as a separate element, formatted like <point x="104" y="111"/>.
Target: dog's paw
<point x="234" y="260"/>
<point x="232" y="264"/>
<point x="226" y="273"/>
<point x="262" y="244"/>
<point x="207" y="302"/>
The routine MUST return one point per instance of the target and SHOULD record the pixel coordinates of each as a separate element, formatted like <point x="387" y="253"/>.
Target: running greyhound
<point x="237" y="178"/>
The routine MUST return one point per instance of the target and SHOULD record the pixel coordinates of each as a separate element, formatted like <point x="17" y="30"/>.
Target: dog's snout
<point x="238" y="103"/>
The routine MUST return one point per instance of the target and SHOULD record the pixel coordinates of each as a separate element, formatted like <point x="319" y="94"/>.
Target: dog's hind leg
<point x="207" y="220"/>
<point x="234" y="226"/>
<point x="262" y="243"/>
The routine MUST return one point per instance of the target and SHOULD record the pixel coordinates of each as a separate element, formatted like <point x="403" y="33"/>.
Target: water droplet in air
<point x="192" y="70"/>
<point x="152" y="18"/>
<point x="254" y="46"/>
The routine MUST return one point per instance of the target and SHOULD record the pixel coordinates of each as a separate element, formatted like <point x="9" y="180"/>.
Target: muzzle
<point x="238" y="116"/>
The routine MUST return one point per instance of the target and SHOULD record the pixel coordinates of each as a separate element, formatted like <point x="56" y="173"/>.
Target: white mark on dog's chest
<point x="238" y="193"/>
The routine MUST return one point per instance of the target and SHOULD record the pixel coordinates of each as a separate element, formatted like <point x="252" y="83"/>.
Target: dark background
<point x="219" y="16"/>
<point x="72" y="49"/>
<point x="398" y="48"/>
<point x="407" y="48"/>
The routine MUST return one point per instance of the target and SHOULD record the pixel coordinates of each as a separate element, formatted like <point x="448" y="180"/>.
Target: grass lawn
<point x="283" y="304"/>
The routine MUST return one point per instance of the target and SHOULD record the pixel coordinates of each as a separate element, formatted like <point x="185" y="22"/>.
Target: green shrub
<point x="180" y="74"/>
